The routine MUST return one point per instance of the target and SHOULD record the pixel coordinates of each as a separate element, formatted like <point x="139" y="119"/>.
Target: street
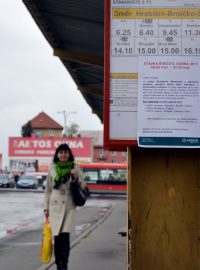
<point x="20" y="210"/>
<point x="21" y="226"/>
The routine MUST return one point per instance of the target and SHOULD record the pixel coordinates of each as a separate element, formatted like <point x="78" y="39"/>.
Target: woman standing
<point x="59" y="206"/>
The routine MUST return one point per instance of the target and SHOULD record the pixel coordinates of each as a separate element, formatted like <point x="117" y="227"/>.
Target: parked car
<point x="44" y="184"/>
<point x="6" y="181"/>
<point x="27" y="181"/>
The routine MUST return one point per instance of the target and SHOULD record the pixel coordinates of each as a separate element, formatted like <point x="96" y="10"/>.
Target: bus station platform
<point x="103" y="247"/>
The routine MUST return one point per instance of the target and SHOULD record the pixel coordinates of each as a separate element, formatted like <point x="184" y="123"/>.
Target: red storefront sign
<point x="0" y="162"/>
<point x="45" y="147"/>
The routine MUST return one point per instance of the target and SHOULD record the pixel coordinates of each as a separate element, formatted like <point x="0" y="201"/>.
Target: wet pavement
<point x="103" y="247"/>
<point x="21" y="250"/>
<point x="19" y="211"/>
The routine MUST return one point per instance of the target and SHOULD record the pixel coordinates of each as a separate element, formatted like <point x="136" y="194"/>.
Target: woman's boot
<point x="61" y="250"/>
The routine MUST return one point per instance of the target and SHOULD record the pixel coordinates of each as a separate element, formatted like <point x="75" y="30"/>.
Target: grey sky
<point x="32" y="79"/>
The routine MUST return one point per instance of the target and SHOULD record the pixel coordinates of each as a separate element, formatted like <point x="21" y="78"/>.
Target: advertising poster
<point x="169" y="102"/>
<point x="36" y="154"/>
<point x="45" y="147"/>
<point x="23" y="165"/>
<point x="43" y="164"/>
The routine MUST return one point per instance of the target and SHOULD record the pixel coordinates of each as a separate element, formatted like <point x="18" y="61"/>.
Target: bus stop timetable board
<point x="137" y="29"/>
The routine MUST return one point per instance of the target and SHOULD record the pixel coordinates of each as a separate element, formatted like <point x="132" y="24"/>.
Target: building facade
<point x="1" y="166"/>
<point x="100" y="154"/>
<point x="43" y="126"/>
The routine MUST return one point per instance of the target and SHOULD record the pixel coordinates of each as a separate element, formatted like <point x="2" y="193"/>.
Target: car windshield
<point x="3" y="176"/>
<point x="27" y="177"/>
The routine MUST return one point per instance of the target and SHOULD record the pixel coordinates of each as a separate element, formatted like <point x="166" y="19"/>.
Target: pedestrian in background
<point x="16" y="178"/>
<point x="59" y="206"/>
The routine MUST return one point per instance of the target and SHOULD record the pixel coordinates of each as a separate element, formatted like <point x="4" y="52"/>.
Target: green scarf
<point x="62" y="169"/>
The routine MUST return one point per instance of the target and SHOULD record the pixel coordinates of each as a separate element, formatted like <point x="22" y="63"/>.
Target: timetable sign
<point x="134" y="29"/>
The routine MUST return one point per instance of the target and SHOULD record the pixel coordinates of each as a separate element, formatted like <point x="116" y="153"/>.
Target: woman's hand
<point x="46" y="213"/>
<point x="74" y="174"/>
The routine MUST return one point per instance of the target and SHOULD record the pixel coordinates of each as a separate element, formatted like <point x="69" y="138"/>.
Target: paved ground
<point x="103" y="248"/>
<point x="22" y="251"/>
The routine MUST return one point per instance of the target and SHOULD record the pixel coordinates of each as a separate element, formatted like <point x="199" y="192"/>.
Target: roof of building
<point x="44" y="121"/>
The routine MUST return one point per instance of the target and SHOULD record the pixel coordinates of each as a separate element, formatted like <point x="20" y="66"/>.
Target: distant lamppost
<point x="66" y="114"/>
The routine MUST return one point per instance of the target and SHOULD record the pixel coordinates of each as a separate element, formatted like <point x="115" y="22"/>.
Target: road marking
<point x="23" y="244"/>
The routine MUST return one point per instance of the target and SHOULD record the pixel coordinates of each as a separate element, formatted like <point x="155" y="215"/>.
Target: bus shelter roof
<point x="75" y="31"/>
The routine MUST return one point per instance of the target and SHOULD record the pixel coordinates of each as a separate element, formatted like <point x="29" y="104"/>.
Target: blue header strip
<point x="172" y="141"/>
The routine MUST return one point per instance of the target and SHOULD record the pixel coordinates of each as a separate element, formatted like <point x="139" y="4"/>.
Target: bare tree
<point x="27" y="130"/>
<point x="72" y="130"/>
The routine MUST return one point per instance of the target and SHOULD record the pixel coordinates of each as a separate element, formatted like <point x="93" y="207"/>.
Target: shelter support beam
<point x="164" y="209"/>
<point x="90" y="90"/>
<point x="79" y="57"/>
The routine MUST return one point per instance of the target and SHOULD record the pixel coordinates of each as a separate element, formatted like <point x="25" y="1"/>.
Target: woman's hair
<point x="63" y="147"/>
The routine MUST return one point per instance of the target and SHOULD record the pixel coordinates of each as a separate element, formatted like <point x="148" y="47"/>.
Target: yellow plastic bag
<point x="47" y="246"/>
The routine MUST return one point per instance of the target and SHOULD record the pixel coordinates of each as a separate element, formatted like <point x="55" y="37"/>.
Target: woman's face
<point x="63" y="156"/>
